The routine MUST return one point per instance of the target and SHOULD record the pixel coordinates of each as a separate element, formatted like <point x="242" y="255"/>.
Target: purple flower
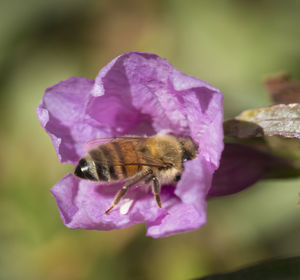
<point x="135" y="94"/>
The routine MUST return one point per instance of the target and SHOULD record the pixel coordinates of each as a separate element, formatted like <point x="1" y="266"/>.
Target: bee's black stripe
<point x="102" y="171"/>
<point x="108" y="156"/>
<point x="121" y="157"/>
<point x="96" y="155"/>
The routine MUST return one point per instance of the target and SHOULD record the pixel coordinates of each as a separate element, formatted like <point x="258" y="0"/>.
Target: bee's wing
<point x="95" y="142"/>
<point x="99" y="141"/>
<point x="153" y="162"/>
<point x="148" y="160"/>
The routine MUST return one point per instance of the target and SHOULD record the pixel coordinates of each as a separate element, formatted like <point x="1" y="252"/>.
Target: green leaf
<point x="281" y="269"/>
<point x="278" y="120"/>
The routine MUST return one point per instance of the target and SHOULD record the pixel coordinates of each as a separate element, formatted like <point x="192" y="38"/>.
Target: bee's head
<point x="189" y="148"/>
<point x="83" y="170"/>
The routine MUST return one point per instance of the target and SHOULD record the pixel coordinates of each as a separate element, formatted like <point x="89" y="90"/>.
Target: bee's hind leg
<point x="122" y="192"/>
<point x="156" y="187"/>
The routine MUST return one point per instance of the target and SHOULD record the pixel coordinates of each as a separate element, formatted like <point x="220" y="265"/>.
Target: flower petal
<point x="195" y="183"/>
<point x="181" y="218"/>
<point x="62" y="114"/>
<point x="65" y="192"/>
<point x="153" y="92"/>
<point x="175" y="103"/>
<point x="82" y="205"/>
<point x="135" y="94"/>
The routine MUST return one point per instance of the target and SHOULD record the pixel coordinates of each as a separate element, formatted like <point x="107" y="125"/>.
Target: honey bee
<point x="153" y="160"/>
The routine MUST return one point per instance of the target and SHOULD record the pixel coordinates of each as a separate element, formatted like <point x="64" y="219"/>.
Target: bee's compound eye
<point x="177" y="177"/>
<point x="82" y="170"/>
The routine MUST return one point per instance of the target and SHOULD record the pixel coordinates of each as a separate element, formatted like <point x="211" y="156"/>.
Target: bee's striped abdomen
<point x="108" y="154"/>
<point x="116" y="160"/>
<point x="131" y="158"/>
<point x="126" y="158"/>
<point x="101" y="165"/>
<point x="119" y="159"/>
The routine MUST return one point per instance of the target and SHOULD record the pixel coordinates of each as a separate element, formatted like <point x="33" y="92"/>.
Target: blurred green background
<point x="231" y="44"/>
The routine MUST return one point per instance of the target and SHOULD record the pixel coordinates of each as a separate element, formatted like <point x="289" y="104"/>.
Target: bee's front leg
<point x="122" y="192"/>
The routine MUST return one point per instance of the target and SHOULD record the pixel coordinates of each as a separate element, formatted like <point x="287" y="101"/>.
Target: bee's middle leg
<point x="122" y="192"/>
<point x="156" y="187"/>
